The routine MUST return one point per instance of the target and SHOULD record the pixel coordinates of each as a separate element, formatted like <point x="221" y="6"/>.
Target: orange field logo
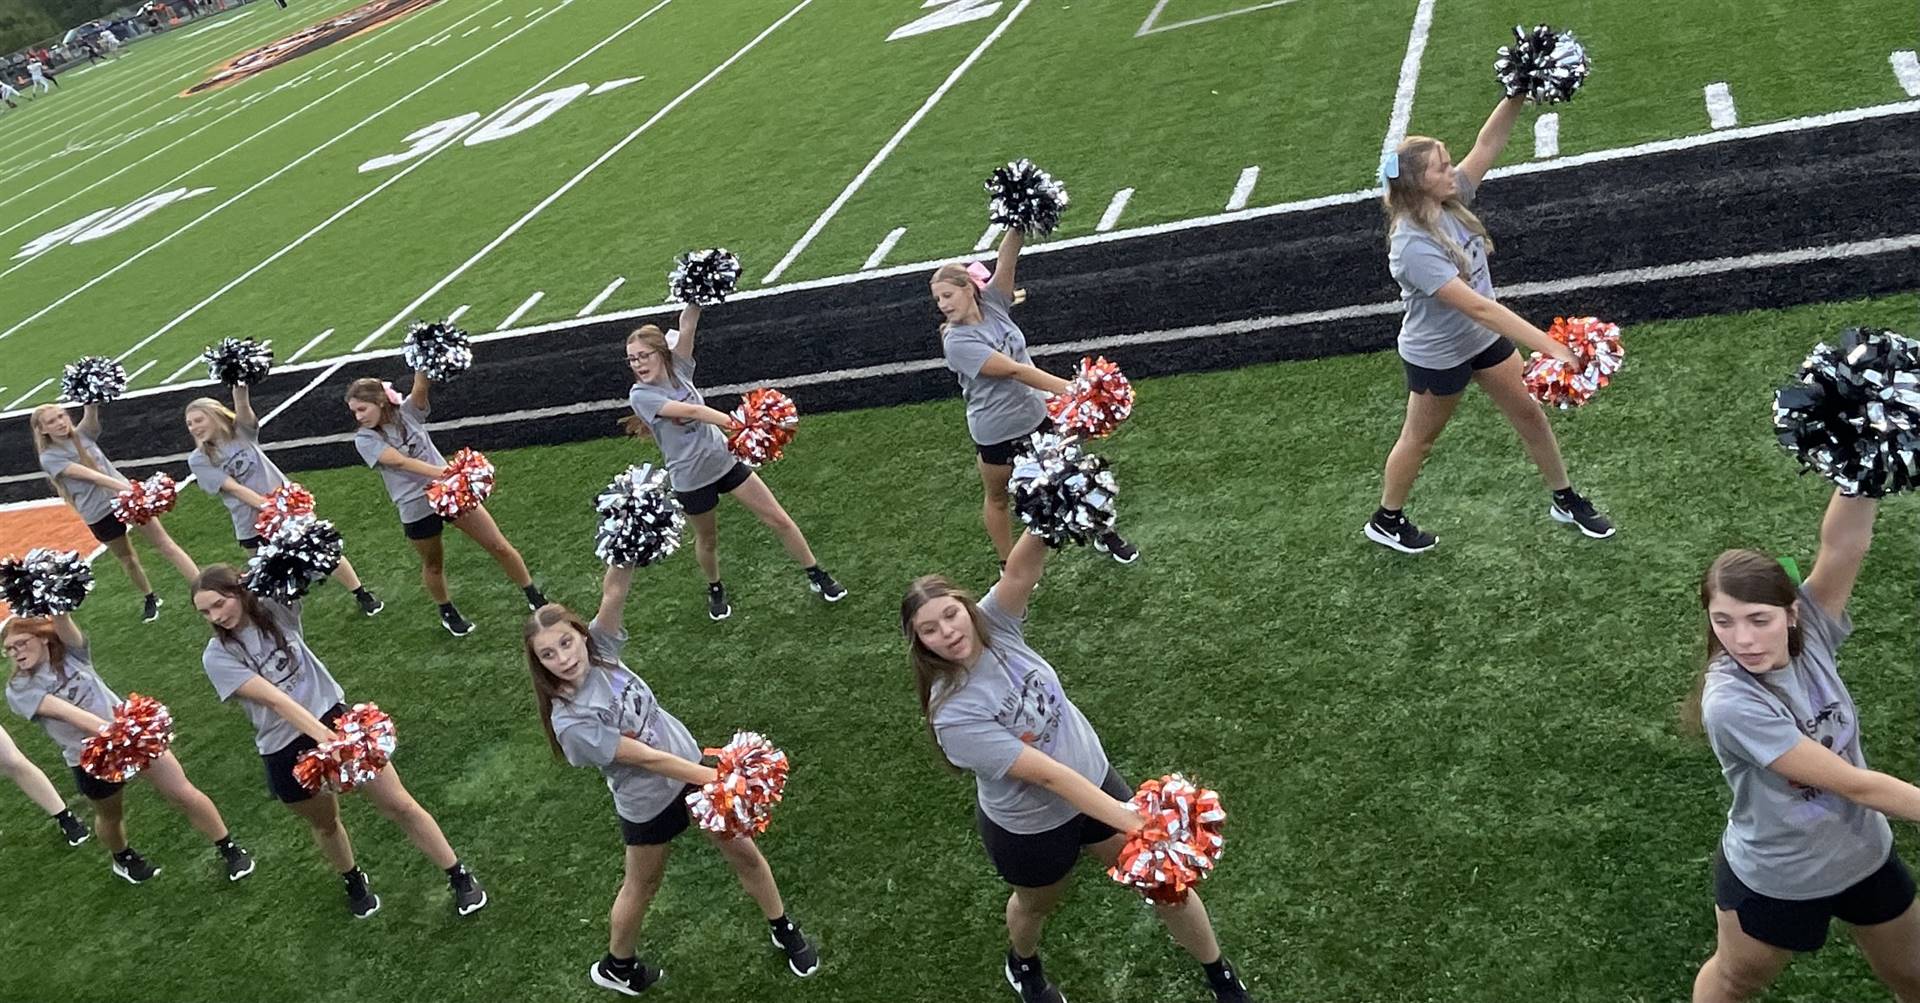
<point x="312" y="38"/>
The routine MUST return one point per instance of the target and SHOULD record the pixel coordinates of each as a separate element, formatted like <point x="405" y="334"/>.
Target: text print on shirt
<point x="632" y="714"/>
<point x="1032" y="709"/>
<point x="1832" y="729"/>
<point x="278" y="667"/>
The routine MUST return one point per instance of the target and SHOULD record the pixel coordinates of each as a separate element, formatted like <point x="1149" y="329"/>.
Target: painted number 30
<point x="510" y="121"/>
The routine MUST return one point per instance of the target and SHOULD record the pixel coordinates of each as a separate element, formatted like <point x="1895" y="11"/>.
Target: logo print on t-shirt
<point x="1829" y="728"/>
<point x="278" y="668"/>
<point x="239" y="464"/>
<point x="1033" y="712"/>
<point x="633" y="711"/>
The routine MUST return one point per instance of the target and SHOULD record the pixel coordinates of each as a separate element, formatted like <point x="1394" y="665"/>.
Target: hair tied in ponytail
<point x="979" y="274"/>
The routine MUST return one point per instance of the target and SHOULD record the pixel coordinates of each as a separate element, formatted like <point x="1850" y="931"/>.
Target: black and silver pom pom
<point x="640" y="521"/>
<point x="95" y="379"/>
<point x="1061" y="493"/>
<point x="1853" y="414"/>
<point x="242" y="361"/>
<point x="439" y="350"/>
<point x="302" y="552"/>
<point x="45" y="582"/>
<point x="1543" y="67"/>
<point x="703" y="277"/>
<point x="1025" y="198"/>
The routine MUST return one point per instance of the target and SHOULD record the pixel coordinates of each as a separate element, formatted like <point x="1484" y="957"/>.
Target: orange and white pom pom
<point x="1597" y="356"/>
<point x="142" y="501"/>
<point x="1096" y="401"/>
<point x="753" y="774"/>
<point x="283" y="502"/>
<point x="365" y="747"/>
<point x="141" y="731"/>
<point x="767" y="419"/>
<point x="1179" y="845"/>
<point x="466" y="483"/>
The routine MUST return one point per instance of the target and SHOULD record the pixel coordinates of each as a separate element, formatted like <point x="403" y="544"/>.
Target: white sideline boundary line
<point x="584" y="172"/>
<point x="882" y="249"/>
<point x="521" y="310"/>
<point x="1721" y="113"/>
<point x="602" y="298"/>
<point x="1243" y="189"/>
<point x="886" y="150"/>
<point x="1802" y="124"/>
<point x="1409" y="78"/>
<point x="1546" y="136"/>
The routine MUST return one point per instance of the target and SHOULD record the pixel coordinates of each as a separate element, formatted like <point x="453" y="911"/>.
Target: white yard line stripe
<point x="1720" y="111"/>
<point x="136" y="373"/>
<point x="881" y="250"/>
<point x="502" y="21"/>
<point x="584" y="172"/>
<point x="1149" y="27"/>
<point x="309" y="346"/>
<point x="176" y="374"/>
<point x="1546" y="136"/>
<point x="470" y="31"/>
<point x="1243" y="189"/>
<point x="886" y="151"/>
<point x="613" y="85"/>
<point x="520" y="311"/>
<point x="459" y="312"/>
<point x="1111" y="218"/>
<point x="319" y="378"/>
<point x="363" y="62"/>
<point x="37" y="387"/>
<point x="1906" y="69"/>
<point x="993" y="231"/>
<point x="602" y="298"/>
<point x="1409" y="78"/>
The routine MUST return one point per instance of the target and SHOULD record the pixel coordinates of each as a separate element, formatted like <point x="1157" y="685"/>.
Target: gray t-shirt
<point x="609" y="704"/>
<point x="80" y="686"/>
<point x="408" y="434"/>
<point x="242" y="459"/>
<point x="696" y="452"/>
<point x="998" y="408"/>
<point x="294" y="669"/>
<point x="1782" y="839"/>
<point x="93" y="501"/>
<point x="1012" y="699"/>
<point x="1433" y="334"/>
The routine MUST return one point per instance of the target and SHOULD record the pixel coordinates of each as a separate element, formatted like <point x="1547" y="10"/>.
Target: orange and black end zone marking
<point x="50" y="525"/>
<point x="313" y="38"/>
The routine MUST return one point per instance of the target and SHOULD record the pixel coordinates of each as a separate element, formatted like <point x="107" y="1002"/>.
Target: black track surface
<point x="1815" y="188"/>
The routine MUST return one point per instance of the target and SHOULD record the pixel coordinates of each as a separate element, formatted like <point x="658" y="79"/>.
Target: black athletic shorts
<point x="251" y="543"/>
<point x="672" y="821"/>
<point x="1043" y="858"/>
<point x="1801" y="924"/>
<point x="107" y="530"/>
<point x="427" y="528"/>
<point x="1454" y="379"/>
<point x="1001" y="454"/>
<point x="280" y="764"/>
<point x="700" y="501"/>
<point x="93" y="788"/>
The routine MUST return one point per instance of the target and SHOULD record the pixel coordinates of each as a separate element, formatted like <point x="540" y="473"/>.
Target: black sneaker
<point x="1401" y="535"/>
<point x="239" y="862"/>
<point x="821" y="582"/>
<point x="75" y="831"/>
<point x="456" y="624"/>
<point x="1227" y="987"/>
<point x="803" y="957"/>
<point x="370" y="604"/>
<point x="1580" y="512"/>
<point x="717" y="606"/>
<point x="1112" y="545"/>
<point x="361" y="901"/>
<point x="1030" y="982"/>
<point x="469" y="896"/>
<point x="632" y="984"/>
<point x="151" y="611"/>
<point x="129" y="864"/>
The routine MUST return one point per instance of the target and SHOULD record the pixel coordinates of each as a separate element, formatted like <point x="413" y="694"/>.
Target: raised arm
<point x="689" y="320"/>
<point x="90" y="421"/>
<point x="1001" y="366"/>
<point x="68" y="631"/>
<point x="1009" y="256"/>
<point x="1811" y="764"/>
<point x="1494" y="316"/>
<point x="421" y="392"/>
<point x="243" y="407"/>
<point x="401" y="461"/>
<point x="614" y="586"/>
<point x="1845" y="533"/>
<point x="634" y="752"/>
<point x="1041" y="770"/>
<point x="60" y="710"/>
<point x="1025" y="564"/>
<point x="259" y="691"/>
<point x="1491" y="141"/>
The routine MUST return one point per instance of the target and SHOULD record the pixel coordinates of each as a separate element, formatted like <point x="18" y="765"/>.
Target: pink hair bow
<point x="393" y="396"/>
<point x="979" y="274"/>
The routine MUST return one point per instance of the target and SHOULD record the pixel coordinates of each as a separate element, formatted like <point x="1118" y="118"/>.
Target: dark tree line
<point x="27" y="22"/>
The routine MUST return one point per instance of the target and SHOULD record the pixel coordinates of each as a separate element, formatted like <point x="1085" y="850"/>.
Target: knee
<point x="642" y="885"/>
<point x="996" y="494"/>
<point x="1737" y="981"/>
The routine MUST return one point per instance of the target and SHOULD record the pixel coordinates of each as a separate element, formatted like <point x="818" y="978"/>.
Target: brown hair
<point x="368" y="390"/>
<point x="1404" y="201"/>
<point x="221" y="416"/>
<point x="931" y="670"/>
<point x="224" y="580"/>
<point x="1746" y="576"/>
<point x="43" y="442"/>
<point x="654" y="339"/>
<point x="955" y="274"/>
<point x="42" y="629"/>
<point x="546" y="685"/>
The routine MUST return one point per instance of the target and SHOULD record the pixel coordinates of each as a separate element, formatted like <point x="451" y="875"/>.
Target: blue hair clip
<point x="1389" y="167"/>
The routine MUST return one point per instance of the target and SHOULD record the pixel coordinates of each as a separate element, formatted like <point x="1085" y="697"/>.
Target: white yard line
<point x="1151" y="26"/>
<point x="37" y="387"/>
<point x="1906" y="69"/>
<point x="309" y="346"/>
<point x="881" y="250"/>
<point x="1111" y="218"/>
<point x="319" y="378"/>
<point x="138" y="372"/>
<point x="602" y="298"/>
<point x="886" y="151"/>
<point x="502" y="21"/>
<point x="1243" y="189"/>
<point x="1546" y="136"/>
<point x="459" y="312"/>
<point x="584" y="172"/>
<point x="1409" y="78"/>
<point x="182" y="371"/>
<point x="1720" y="111"/>
<point x="520" y="311"/>
<point x="992" y="233"/>
<point x="613" y="85"/>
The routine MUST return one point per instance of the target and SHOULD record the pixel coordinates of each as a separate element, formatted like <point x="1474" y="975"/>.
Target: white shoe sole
<point x="457" y="633"/>
<point x="1014" y="983"/>
<point x="476" y="907"/>
<point x="1562" y="515"/>
<point x="817" y="590"/>
<point x="593" y="973"/>
<point x="1392" y="544"/>
<point x="369" y="912"/>
<point x="795" y="969"/>
<point x="121" y="873"/>
<point x="242" y="874"/>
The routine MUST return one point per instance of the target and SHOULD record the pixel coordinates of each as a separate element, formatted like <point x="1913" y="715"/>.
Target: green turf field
<point x="1455" y="777"/>
<point x="747" y="119"/>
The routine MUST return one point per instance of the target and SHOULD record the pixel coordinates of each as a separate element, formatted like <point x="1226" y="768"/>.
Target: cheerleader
<point x="229" y="464"/>
<point x="1006" y="394"/>
<point x="1045" y="791"/>
<point x="71" y="458"/>
<point x="393" y="437"/>
<point x="1454" y="331"/>
<point x="35" y="785"/>
<point x="54" y="683"/>
<point x="667" y="404"/>
<point x="1807" y="839"/>
<point x="597" y="712"/>
<point x="259" y="653"/>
